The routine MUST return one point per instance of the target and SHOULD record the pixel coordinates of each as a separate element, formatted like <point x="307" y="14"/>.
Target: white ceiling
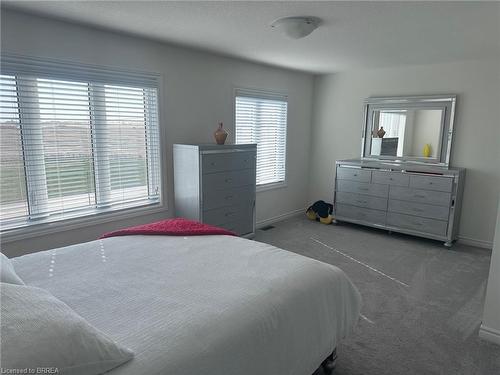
<point x="353" y="35"/>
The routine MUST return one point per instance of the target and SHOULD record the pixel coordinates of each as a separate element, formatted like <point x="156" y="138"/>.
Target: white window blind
<point x="75" y="140"/>
<point x="261" y="118"/>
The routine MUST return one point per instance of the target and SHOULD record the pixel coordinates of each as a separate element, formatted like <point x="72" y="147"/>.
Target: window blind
<point x="75" y="144"/>
<point x="261" y="118"/>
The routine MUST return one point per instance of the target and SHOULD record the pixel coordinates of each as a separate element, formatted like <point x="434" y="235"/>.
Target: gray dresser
<point x="216" y="185"/>
<point x="415" y="199"/>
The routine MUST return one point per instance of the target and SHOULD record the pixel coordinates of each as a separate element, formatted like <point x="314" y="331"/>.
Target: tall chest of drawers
<point x="409" y="198"/>
<point x="216" y="185"/>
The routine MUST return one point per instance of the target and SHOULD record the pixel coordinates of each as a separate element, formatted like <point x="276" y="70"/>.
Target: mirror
<point x="416" y="129"/>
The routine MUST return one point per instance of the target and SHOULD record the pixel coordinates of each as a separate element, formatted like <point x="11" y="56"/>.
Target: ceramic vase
<point x="381" y="132"/>
<point x="220" y="134"/>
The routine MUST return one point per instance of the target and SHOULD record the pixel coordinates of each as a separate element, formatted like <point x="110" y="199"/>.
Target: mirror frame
<point x="445" y="102"/>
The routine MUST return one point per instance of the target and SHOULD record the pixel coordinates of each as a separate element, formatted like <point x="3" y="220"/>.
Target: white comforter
<point x="211" y="305"/>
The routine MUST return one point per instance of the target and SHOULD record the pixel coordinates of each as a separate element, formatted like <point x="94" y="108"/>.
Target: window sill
<point x="271" y="186"/>
<point x="34" y="230"/>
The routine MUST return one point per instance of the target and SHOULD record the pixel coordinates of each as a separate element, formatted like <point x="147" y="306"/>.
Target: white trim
<point x="15" y="64"/>
<point x="260" y="93"/>
<point x="281" y="217"/>
<point x="489" y="334"/>
<point x="475" y="242"/>
<point x="79" y="222"/>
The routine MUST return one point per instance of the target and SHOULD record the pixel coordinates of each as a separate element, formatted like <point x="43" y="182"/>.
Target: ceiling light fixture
<point x="296" y="27"/>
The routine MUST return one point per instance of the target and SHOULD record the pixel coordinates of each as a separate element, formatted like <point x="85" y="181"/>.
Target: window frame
<point x="95" y="216"/>
<point x="265" y="94"/>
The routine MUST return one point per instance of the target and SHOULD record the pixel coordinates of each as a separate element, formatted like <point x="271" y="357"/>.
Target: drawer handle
<point x="430" y="183"/>
<point x="212" y="164"/>
<point x="355" y="174"/>
<point x="418" y="210"/>
<point x="364" y="189"/>
<point x="364" y="202"/>
<point x="228" y="180"/>
<point x="229" y="197"/>
<point x="419" y="196"/>
<point x="391" y="179"/>
<point x="227" y="214"/>
<point x="416" y="223"/>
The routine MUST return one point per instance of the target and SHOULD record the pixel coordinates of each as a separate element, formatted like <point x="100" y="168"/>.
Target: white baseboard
<point x="489" y="334"/>
<point x="475" y="242"/>
<point x="275" y="219"/>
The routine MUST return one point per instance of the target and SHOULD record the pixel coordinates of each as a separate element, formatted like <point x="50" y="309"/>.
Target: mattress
<point x="203" y="304"/>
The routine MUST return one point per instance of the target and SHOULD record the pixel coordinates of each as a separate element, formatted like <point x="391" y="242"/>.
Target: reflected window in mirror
<point x="411" y="133"/>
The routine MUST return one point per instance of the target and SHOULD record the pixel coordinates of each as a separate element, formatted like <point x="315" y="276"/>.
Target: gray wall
<point x="197" y="94"/>
<point x="338" y="117"/>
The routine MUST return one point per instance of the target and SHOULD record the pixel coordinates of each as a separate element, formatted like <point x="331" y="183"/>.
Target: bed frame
<point x="328" y="365"/>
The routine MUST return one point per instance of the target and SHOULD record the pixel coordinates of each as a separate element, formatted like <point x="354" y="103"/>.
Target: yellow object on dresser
<point x="427" y="150"/>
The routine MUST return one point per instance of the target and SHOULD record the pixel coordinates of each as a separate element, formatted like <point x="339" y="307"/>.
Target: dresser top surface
<point x="399" y="166"/>
<point x="216" y="147"/>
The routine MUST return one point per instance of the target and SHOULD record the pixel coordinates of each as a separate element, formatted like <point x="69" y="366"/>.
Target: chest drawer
<point x="431" y="183"/>
<point x="418" y="224"/>
<point x="230" y="214"/>
<point x="375" y="190"/>
<point x="239" y="227"/>
<point x="227" y="180"/>
<point x="361" y="214"/>
<point x="227" y="161"/>
<point x="354" y="174"/>
<point x="420" y="196"/>
<point x="390" y="178"/>
<point x="228" y="197"/>
<point x="419" y="209"/>
<point x="359" y="200"/>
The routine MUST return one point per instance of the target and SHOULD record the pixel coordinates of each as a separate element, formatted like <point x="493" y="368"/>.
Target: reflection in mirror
<point x="414" y="133"/>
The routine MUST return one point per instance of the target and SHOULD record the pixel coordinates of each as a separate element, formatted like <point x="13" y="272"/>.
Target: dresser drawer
<point x="227" y="161"/>
<point x="228" y="197"/>
<point x="420" y="196"/>
<point x="231" y="214"/>
<point x="419" y="224"/>
<point x="390" y="178"/>
<point x="431" y="183"/>
<point x="226" y="180"/>
<point x="239" y="227"/>
<point x="360" y="200"/>
<point x="375" y="190"/>
<point x="361" y="214"/>
<point x="419" y="209"/>
<point x="354" y="174"/>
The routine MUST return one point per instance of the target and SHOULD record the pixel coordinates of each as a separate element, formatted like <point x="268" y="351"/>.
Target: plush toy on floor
<point x="321" y="211"/>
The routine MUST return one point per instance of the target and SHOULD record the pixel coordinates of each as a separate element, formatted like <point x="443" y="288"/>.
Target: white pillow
<point x="38" y="330"/>
<point x="7" y="272"/>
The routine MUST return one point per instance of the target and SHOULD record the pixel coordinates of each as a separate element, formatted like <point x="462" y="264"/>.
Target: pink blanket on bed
<point x="171" y="227"/>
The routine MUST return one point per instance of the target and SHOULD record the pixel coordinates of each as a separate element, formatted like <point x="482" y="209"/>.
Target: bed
<point x="207" y="305"/>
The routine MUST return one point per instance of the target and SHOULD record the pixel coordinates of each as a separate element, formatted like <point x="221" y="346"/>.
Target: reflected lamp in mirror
<point x="410" y="129"/>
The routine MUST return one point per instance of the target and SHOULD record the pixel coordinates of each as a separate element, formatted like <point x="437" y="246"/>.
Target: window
<point x="261" y="118"/>
<point x="75" y="141"/>
<point x="394" y="124"/>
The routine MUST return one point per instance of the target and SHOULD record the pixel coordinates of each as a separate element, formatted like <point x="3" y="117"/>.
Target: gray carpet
<point x="422" y="303"/>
